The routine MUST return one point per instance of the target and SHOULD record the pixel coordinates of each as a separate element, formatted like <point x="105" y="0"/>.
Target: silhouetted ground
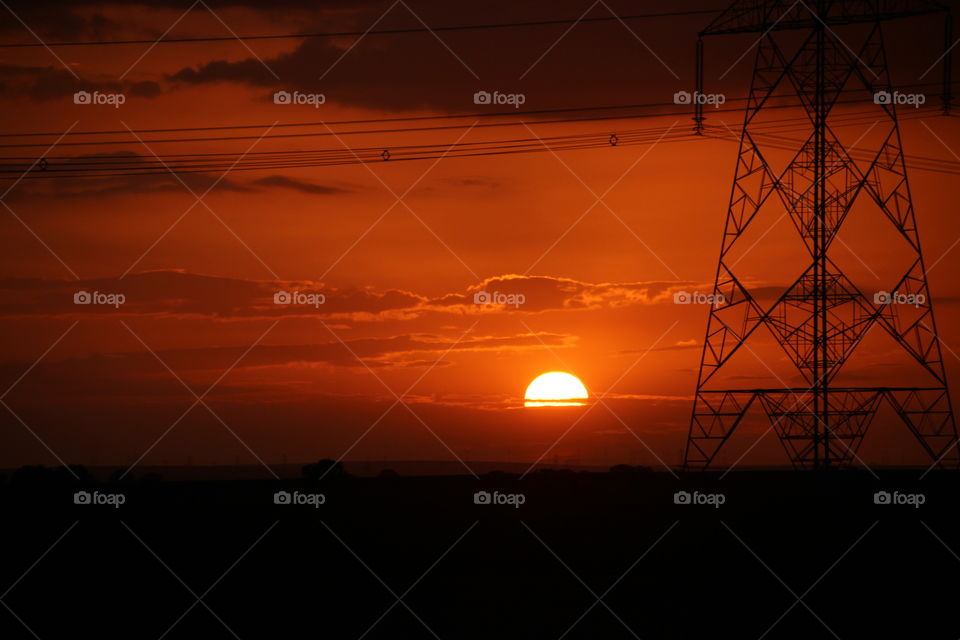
<point x="787" y="554"/>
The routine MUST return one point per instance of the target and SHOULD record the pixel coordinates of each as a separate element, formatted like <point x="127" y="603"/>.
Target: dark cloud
<point x="176" y="293"/>
<point x="442" y="70"/>
<point x="42" y="83"/>
<point x="542" y="293"/>
<point x="416" y="71"/>
<point x="554" y="66"/>
<point x="49" y="183"/>
<point x="58" y="20"/>
<point x="284" y="182"/>
<point x="138" y="370"/>
<point x="184" y="294"/>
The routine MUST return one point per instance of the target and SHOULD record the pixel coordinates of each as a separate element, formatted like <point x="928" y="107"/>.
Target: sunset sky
<point x="597" y="241"/>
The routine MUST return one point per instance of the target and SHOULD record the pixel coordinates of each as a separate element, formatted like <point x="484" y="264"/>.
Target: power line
<point x="448" y="116"/>
<point x="351" y="157"/>
<point x="452" y="116"/>
<point x="70" y="163"/>
<point x="120" y="166"/>
<point x="785" y="143"/>
<point x="328" y="132"/>
<point x="338" y="34"/>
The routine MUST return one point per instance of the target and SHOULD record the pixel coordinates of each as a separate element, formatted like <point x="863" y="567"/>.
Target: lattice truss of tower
<point x="811" y="53"/>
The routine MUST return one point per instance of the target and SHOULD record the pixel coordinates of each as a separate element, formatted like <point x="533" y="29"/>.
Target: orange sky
<point x="399" y="279"/>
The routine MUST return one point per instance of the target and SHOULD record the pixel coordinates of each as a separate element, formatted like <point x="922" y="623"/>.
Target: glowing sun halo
<point x="555" y="389"/>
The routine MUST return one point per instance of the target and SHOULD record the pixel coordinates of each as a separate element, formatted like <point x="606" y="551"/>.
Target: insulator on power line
<point x="385" y="155"/>
<point x="42" y="164"/>
<point x="614" y="139"/>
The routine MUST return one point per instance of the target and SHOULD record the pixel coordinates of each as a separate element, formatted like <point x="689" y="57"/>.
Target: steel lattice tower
<point x="821" y="318"/>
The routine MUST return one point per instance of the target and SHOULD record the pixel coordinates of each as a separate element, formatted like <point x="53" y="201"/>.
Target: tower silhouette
<point x="822" y="317"/>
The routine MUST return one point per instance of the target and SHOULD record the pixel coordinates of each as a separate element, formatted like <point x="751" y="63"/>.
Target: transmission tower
<point x="820" y="319"/>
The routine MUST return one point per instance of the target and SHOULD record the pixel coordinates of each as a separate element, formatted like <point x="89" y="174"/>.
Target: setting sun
<point x="555" y="389"/>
